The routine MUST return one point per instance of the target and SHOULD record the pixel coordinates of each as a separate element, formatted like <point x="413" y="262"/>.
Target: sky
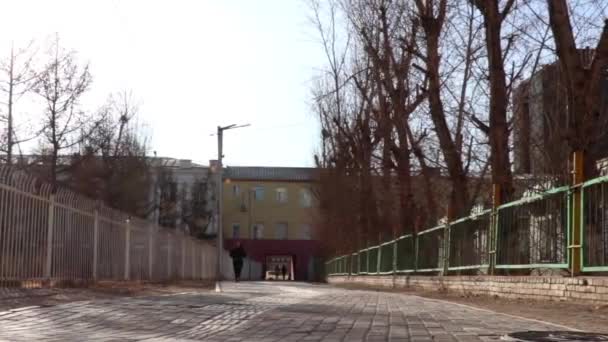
<point x="194" y="65"/>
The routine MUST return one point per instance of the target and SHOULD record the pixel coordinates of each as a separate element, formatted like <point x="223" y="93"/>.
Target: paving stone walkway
<point x="262" y="312"/>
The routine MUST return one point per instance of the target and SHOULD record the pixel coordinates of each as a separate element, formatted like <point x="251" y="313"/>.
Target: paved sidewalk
<point x="262" y="312"/>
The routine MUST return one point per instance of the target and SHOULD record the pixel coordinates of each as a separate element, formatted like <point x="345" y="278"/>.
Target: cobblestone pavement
<point x="262" y="312"/>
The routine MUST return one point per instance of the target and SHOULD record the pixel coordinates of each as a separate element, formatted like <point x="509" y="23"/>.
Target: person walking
<point x="283" y="271"/>
<point x="238" y="254"/>
<point x="276" y="272"/>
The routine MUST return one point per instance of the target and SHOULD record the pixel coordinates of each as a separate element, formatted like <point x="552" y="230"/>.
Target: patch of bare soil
<point x="585" y="317"/>
<point x="11" y="298"/>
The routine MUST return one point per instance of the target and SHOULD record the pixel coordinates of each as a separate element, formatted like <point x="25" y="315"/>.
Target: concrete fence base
<point x="589" y="289"/>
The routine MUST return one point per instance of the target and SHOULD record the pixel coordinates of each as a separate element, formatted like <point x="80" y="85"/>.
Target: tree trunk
<point x="499" y="130"/>
<point x="459" y="197"/>
<point x="405" y="187"/>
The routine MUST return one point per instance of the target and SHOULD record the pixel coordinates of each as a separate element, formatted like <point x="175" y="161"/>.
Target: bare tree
<point x="112" y="163"/>
<point x="18" y="79"/>
<point x="432" y="16"/>
<point x="493" y="18"/>
<point x="388" y="33"/>
<point x="61" y="85"/>
<point x="196" y="207"/>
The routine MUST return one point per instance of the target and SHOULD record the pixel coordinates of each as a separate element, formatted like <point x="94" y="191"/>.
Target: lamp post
<point x="220" y="248"/>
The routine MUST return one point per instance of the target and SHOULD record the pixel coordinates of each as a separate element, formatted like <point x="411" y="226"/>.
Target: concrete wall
<point x="587" y="289"/>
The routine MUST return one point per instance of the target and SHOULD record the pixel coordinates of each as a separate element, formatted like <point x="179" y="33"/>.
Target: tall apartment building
<point x="541" y="120"/>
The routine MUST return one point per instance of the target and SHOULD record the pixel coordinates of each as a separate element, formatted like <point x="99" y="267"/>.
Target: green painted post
<point x="395" y="256"/>
<point x="493" y="240"/>
<point x="446" y="249"/>
<point x="416" y="243"/>
<point x="378" y="259"/>
<point x="367" y="261"/>
<point x="493" y="233"/>
<point x="577" y="180"/>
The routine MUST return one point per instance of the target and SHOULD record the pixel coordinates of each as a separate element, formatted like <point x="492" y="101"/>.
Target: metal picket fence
<point x="534" y="232"/>
<point x="60" y="236"/>
<point x="468" y="242"/>
<point x="430" y="246"/>
<point x="594" y="220"/>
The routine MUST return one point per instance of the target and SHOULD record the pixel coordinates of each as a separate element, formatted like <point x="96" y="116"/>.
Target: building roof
<point x="299" y="174"/>
<point x="175" y="163"/>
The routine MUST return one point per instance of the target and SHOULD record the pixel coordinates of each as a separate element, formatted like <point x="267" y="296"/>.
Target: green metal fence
<point x="430" y="250"/>
<point x="354" y="263"/>
<point x="468" y="240"/>
<point x="386" y="257"/>
<point x="372" y="259"/>
<point x="405" y="254"/>
<point x="529" y="233"/>
<point x="363" y="261"/>
<point x="594" y="223"/>
<point x="533" y="232"/>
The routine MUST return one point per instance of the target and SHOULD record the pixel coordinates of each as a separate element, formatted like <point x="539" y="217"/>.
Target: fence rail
<point x="61" y="236"/>
<point x="534" y="232"/>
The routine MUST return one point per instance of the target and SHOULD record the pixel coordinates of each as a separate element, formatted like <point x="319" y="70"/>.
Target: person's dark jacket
<point x="238" y="254"/>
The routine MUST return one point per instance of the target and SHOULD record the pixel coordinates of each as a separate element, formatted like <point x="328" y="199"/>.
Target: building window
<point x="258" y="231"/>
<point x="258" y="193"/>
<point x="305" y="232"/>
<point x="281" y="195"/>
<point x="236" y="230"/>
<point x="236" y="190"/>
<point x="305" y="198"/>
<point x="281" y="231"/>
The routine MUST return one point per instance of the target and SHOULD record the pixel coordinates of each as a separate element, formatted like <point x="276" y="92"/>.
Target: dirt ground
<point x="585" y="317"/>
<point x="11" y="298"/>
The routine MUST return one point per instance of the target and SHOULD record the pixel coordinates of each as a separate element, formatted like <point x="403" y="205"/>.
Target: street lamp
<point x="220" y="248"/>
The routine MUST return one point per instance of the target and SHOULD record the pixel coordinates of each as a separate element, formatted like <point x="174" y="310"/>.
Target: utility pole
<point x="220" y="141"/>
<point x="219" y="171"/>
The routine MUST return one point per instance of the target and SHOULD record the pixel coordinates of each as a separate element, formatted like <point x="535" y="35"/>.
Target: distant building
<point x="271" y="211"/>
<point x="541" y="122"/>
<point x="183" y="195"/>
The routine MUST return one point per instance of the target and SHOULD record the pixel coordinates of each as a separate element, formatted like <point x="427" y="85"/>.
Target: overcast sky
<point x="194" y="65"/>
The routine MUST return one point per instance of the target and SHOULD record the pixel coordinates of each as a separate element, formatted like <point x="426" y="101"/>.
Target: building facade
<point x="271" y="211"/>
<point x="540" y="122"/>
<point x="540" y="112"/>
<point x="183" y="196"/>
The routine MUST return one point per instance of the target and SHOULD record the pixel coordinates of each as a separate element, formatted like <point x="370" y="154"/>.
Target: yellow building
<point x="271" y="211"/>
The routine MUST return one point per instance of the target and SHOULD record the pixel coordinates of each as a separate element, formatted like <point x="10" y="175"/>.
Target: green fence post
<point x="367" y="261"/>
<point x="379" y="259"/>
<point x="569" y="218"/>
<point x="395" y="256"/>
<point x="493" y="233"/>
<point x="416" y="246"/>
<point x="492" y="241"/>
<point x="446" y="249"/>
<point x="576" y="259"/>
